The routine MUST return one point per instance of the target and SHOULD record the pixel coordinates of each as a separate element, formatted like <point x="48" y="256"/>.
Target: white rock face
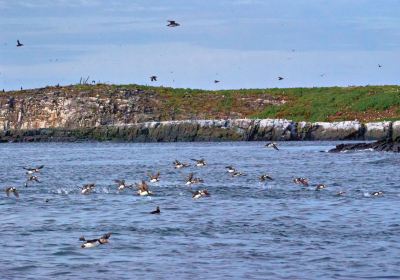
<point x="377" y="130"/>
<point x="396" y="130"/>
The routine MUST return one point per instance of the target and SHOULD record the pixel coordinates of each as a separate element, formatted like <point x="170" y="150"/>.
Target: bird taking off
<point x="172" y="23"/>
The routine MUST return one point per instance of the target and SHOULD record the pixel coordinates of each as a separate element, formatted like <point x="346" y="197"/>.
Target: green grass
<point x="366" y="103"/>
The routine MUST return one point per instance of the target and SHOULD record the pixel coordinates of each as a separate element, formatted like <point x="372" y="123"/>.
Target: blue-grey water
<point x="245" y="229"/>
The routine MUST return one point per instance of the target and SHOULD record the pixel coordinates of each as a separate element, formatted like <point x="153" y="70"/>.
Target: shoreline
<point x="213" y="131"/>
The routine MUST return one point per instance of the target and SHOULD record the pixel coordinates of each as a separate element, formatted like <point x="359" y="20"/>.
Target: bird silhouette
<point x="172" y="23"/>
<point x="19" y="44"/>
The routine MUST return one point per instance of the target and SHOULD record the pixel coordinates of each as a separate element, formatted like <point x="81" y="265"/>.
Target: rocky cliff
<point x="137" y="114"/>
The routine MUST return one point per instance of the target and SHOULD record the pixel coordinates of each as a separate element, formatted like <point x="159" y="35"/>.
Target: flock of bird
<point x="143" y="189"/>
<point x="173" y="24"/>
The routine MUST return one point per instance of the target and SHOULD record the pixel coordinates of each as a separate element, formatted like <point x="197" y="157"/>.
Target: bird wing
<point x="275" y="147"/>
<point x="106" y="235"/>
<point x="8" y="192"/>
<point x="40" y="167"/>
<point x="16" y="194"/>
<point x="190" y="177"/>
<point x="28" y="168"/>
<point x="119" y="182"/>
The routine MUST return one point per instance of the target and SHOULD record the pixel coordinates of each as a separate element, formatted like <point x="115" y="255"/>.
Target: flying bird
<point x="172" y="23"/>
<point x="153" y="78"/>
<point x="12" y="190"/>
<point x="31" y="170"/>
<point x="87" y="188"/>
<point x="143" y="189"/>
<point x="301" y="181"/>
<point x="272" y="145"/>
<point x="19" y="44"/>
<point x="200" y="194"/>
<point x="178" y="164"/>
<point x="154" y="178"/>
<point x="95" y="242"/>
<point x="280" y="78"/>
<point x="216" y="81"/>
<point x="200" y="162"/>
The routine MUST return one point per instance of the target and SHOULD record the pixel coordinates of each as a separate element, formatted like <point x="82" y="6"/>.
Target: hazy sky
<point x="242" y="43"/>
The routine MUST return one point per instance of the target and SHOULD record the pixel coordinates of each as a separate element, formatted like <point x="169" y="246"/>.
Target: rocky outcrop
<point x="134" y="113"/>
<point x="382" y="146"/>
<point x="209" y="130"/>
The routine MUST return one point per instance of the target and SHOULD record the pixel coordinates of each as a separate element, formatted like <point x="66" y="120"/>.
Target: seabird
<point x="379" y="193"/>
<point x="179" y="164"/>
<point x="199" y="162"/>
<point x="12" y="190"/>
<point x="157" y="211"/>
<point x="154" y="178"/>
<point x="153" y="78"/>
<point x="272" y="145"/>
<point x="280" y="78"/>
<point x="200" y="193"/>
<point x="19" y="44"/>
<point x="122" y="185"/>
<point x="236" y="174"/>
<point x="340" y="193"/>
<point x="95" y="242"/>
<point x="32" y="178"/>
<point x="192" y="180"/>
<point x="216" y="81"/>
<point x="87" y="188"/>
<point x="230" y="169"/>
<point x="31" y="170"/>
<point x="301" y="181"/>
<point x="143" y="189"/>
<point x="265" y="177"/>
<point x="172" y="23"/>
<point x="320" y="187"/>
<point x="379" y="65"/>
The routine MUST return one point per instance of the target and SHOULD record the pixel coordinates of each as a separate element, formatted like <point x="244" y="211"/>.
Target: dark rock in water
<point x="383" y="146"/>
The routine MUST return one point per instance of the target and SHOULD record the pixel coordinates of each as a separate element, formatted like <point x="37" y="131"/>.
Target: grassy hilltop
<point x="367" y="103"/>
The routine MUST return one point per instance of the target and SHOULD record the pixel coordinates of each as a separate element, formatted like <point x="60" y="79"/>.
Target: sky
<point x="241" y="43"/>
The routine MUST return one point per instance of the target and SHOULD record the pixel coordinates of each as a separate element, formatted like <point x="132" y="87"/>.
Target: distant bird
<point x="340" y="193"/>
<point x="237" y="174"/>
<point x="265" y="177"/>
<point x="172" y="23"/>
<point x="95" y="242"/>
<point x="379" y="193"/>
<point x="320" y="187"/>
<point x="301" y="181"/>
<point x="88" y="188"/>
<point x="322" y="75"/>
<point x="143" y="189"/>
<point x="199" y="162"/>
<point x="230" y="169"/>
<point x="216" y="81"/>
<point x="121" y="185"/>
<point x="154" y="178"/>
<point x="192" y="180"/>
<point x="379" y="65"/>
<point x="12" y="190"/>
<point x="31" y="170"/>
<point x="153" y="78"/>
<point x="157" y="211"/>
<point x="32" y="178"/>
<point x="280" y="78"/>
<point x="4" y="90"/>
<point x="200" y="193"/>
<point x="21" y="88"/>
<point x="272" y="145"/>
<point x="178" y="164"/>
<point x="19" y="44"/>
